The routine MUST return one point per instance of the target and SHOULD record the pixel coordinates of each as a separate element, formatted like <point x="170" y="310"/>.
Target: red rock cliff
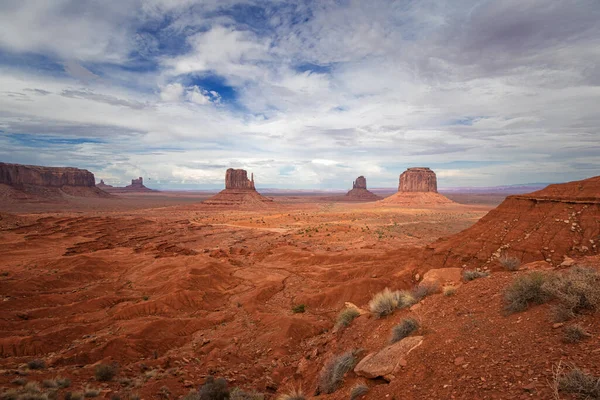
<point x="19" y="175"/>
<point x="360" y="183"/>
<point x="238" y="179"/>
<point x="418" y="180"/>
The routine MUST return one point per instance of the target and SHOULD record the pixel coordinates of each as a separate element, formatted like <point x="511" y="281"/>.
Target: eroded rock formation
<point x="417" y="187"/>
<point x="18" y="175"/>
<point x="419" y="179"/>
<point x="239" y="191"/>
<point x="238" y="179"/>
<point x="548" y="225"/>
<point x="359" y="191"/>
<point x="104" y="186"/>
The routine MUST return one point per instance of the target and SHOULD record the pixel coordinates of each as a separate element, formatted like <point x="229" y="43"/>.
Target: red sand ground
<point x="176" y="293"/>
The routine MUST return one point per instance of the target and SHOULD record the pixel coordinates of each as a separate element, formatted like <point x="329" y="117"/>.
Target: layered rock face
<point x="238" y="179"/>
<point x="547" y="225"/>
<point x="239" y="191"/>
<point x="359" y="191"/>
<point x="18" y="175"/>
<point x="417" y="187"/>
<point x="419" y="179"/>
<point x="137" y="184"/>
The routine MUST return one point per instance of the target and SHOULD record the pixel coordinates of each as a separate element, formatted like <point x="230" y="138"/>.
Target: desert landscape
<point x="252" y="289"/>
<point x="299" y="200"/>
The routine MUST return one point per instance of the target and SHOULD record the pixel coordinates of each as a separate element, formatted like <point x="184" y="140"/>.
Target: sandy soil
<point x="172" y="291"/>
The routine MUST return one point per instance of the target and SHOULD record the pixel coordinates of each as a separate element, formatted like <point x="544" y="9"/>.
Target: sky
<point x="304" y="94"/>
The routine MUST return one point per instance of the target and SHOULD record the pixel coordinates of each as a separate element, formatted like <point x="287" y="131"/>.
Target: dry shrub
<point x="404" y="329"/>
<point x="105" y="372"/>
<point x="576" y="290"/>
<point x="214" y="389"/>
<point x="345" y="317"/>
<point x="332" y="373"/>
<point x="299" y="308"/>
<point x="36" y="364"/>
<point x="383" y="303"/>
<point x="574" y="334"/>
<point x="425" y="289"/>
<point x="91" y="392"/>
<point x="240" y="394"/>
<point x="526" y="290"/>
<point x="574" y="381"/>
<point x="470" y="275"/>
<point x="509" y="263"/>
<point x="358" y="391"/>
<point x="293" y="394"/>
<point x="561" y="313"/>
<point x="449" y="290"/>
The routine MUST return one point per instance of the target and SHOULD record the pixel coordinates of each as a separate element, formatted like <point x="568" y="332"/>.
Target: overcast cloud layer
<point x="303" y="94"/>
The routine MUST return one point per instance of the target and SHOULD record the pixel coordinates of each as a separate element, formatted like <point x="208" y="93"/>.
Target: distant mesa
<point x="137" y="185"/>
<point x="33" y="182"/>
<point x="547" y="226"/>
<point x="239" y="191"/>
<point x="359" y="191"/>
<point x="417" y="186"/>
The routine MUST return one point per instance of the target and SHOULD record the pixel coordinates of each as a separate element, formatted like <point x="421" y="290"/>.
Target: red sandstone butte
<point x="239" y="191"/>
<point x="419" y="179"/>
<point x="359" y="190"/>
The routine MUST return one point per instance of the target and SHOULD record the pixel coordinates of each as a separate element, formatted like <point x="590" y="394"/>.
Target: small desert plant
<point x="449" y="290"/>
<point x="293" y="394"/>
<point x="573" y="380"/>
<point x="576" y="290"/>
<point x="164" y="392"/>
<point x="63" y="382"/>
<point x="74" y="396"/>
<point x="574" y="334"/>
<point x="91" y="392"/>
<point x="526" y="290"/>
<point x="214" y="389"/>
<point x="509" y="263"/>
<point x="384" y="303"/>
<point x="405" y="298"/>
<point x="105" y="372"/>
<point x="299" y="308"/>
<point x="345" y="317"/>
<point x="32" y="387"/>
<point x="425" y="289"/>
<point x="332" y="373"/>
<point x="469" y="275"/>
<point x="49" y="383"/>
<point x="357" y="391"/>
<point x="561" y="313"/>
<point x="240" y="394"/>
<point x="19" y="381"/>
<point x="404" y="329"/>
<point x="10" y="394"/>
<point x="36" y="364"/>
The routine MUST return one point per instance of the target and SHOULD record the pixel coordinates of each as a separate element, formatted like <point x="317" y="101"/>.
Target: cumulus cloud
<point x="303" y="93"/>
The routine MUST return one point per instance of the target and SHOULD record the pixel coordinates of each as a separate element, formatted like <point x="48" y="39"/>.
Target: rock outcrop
<point x="547" y="225"/>
<point x="419" y="179"/>
<point x="239" y="191"/>
<point x="238" y="179"/>
<point x="18" y="175"/>
<point x="388" y="361"/>
<point x="359" y="191"/>
<point x="29" y="183"/>
<point x="417" y="187"/>
<point x="137" y="185"/>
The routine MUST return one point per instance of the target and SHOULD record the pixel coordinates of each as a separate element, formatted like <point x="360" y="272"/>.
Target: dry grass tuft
<point x="572" y="380"/>
<point x="574" y="334"/>
<point x="404" y="329"/>
<point x="345" y="317"/>
<point x="358" y="390"/>
<point x="449" y="290"/>
<point x="509" y="263"/>
<point x="332" y="373"/>
<point x="470" y="275"/>
<point x="526" y="290"/>
<point x="293" y="394"/>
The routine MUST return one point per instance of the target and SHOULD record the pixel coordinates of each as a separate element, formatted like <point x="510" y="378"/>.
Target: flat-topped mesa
<point x="419" y="179"/>
<point x="19" y="175"/>
<point x="360" y="183"/>
<point x="137" y="183"/>
<point x="238" y="179"/>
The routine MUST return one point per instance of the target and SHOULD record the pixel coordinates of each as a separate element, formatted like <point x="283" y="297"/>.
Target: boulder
<point x="388" y="360"/>
<point x="442" y="276"/>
